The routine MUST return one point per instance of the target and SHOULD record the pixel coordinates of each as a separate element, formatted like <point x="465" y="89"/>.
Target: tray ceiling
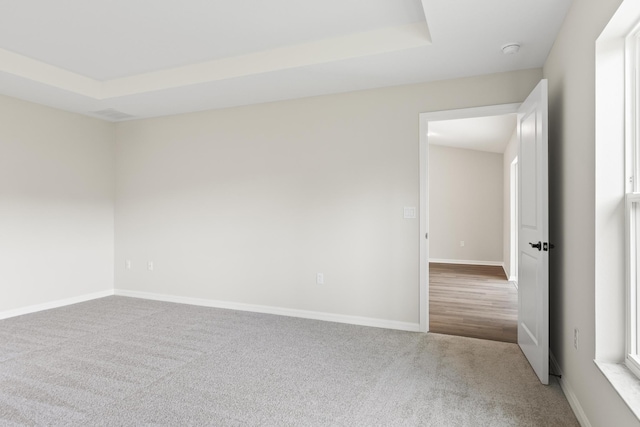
<point x="148" y="58"/>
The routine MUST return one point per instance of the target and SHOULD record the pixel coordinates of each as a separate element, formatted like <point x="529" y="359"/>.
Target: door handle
<point x="536" y="245"/>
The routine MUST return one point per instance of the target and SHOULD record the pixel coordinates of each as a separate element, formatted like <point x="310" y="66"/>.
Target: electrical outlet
<point x="150" y="265"/>
<point x="462" y="243"/>
<point x="320" y="279"/>
<point x="576" y="334"/>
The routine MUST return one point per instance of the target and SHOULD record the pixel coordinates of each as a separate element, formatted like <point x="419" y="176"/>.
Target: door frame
<point x="513" y="221"/>
<point x="425" y="118"/>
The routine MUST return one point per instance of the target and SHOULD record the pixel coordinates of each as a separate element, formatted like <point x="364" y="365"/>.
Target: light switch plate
<point x="409" y="212"/>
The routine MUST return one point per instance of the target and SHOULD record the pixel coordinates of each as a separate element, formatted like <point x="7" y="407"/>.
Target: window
<point x="617" y="203"/>
<point x="633" y="261"/>
<point x="632" y="199"/>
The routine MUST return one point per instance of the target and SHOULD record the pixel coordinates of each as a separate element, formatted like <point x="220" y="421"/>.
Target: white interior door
<point x="533" y="232"/>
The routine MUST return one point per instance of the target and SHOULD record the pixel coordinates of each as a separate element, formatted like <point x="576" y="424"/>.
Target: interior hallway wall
<point x="465" y="205"/>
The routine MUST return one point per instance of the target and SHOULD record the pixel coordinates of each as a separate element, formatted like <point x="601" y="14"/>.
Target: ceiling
<point x="490" y="134"/>
<point x="141" y="58"/>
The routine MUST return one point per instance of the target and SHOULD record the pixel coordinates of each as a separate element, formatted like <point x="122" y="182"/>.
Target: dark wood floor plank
<point x="473" y="301"/>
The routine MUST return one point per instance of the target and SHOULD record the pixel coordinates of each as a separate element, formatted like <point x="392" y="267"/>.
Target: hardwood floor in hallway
<point x="472" y="301"/>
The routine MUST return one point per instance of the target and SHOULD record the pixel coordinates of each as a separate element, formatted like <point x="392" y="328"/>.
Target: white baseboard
<point x="468" y="262"/>
<point x="54" y="304"/>
<point x="569" y="394"/>
<point x="281" y="311"/>
<point x="512" y="279"/>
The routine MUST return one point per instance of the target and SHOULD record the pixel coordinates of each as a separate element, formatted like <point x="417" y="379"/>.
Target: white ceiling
<point x="149" y="58"/>
<point x="479" y="133"/>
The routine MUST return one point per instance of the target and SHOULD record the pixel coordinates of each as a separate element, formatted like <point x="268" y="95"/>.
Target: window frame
<point x="632" y="213"/>
<point x="632" y="199"/>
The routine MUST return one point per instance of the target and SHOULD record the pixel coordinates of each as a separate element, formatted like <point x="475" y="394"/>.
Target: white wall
<point x="510" y="153"/>
<point x="570" y="69"/>
<point x="248" y="204"/>
<point x="465" y="204"/>
<point x="56" y="205"/>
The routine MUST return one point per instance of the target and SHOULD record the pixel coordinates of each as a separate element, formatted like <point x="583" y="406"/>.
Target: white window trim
<point x="614" y="166"/>
<point x="632" y="361"/>
<point x="632" y="196"/>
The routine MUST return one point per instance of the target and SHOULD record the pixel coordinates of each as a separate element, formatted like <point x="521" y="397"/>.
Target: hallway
<point x="472" y="301"/>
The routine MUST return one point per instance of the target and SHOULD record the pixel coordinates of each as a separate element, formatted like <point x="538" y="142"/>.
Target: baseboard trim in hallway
<point x="466" y="262"/>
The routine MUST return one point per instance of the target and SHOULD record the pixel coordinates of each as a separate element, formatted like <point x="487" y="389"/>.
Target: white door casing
<point x="513" y="222"/>
<point x="533" y="231"/>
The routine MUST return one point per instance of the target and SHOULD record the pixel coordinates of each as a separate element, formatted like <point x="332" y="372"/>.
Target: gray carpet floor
<point x="121" y="361"/>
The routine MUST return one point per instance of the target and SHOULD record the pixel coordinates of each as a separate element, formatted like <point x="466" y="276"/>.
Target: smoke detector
<point x="510" y="48"/>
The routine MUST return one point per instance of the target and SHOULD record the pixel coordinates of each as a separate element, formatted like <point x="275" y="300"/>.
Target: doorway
<point x="427" y="125"/>
<point x="533" y="220"/>
<point x="469" y="192"/>
<point x="473" y="301"/>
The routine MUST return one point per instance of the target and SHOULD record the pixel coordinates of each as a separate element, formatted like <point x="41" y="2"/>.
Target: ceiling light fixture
<point x="510" y="48"/>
